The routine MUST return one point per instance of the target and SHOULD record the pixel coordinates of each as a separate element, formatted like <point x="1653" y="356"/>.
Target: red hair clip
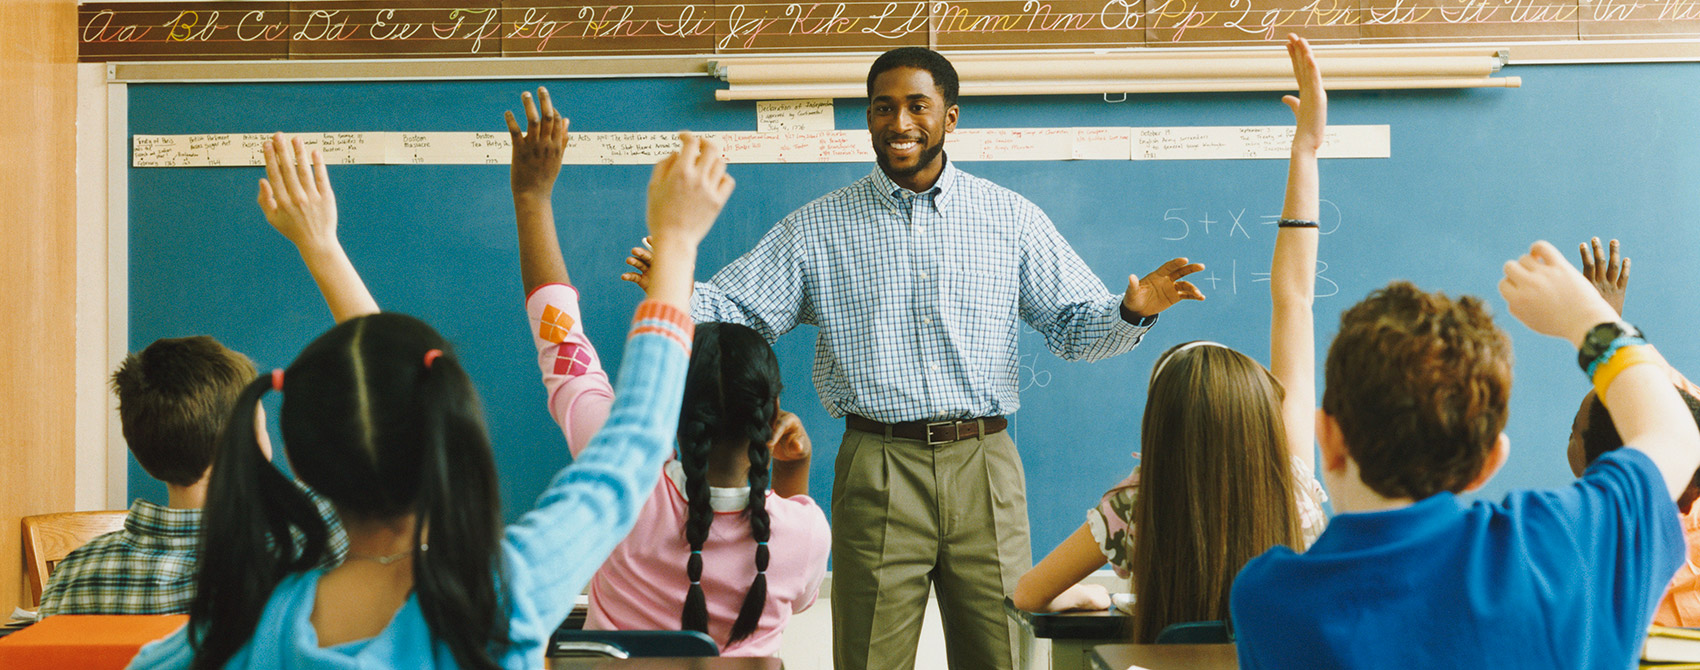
<point x="431" y="356"/>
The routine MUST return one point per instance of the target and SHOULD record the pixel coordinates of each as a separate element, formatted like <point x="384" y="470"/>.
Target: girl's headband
<point x="1177" y="351"/>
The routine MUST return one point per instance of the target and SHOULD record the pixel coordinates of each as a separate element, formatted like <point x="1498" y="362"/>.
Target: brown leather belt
<point x="934" y="433"/>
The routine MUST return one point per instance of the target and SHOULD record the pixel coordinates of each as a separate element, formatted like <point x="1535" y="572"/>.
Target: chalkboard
<point x="1474" y="177"/>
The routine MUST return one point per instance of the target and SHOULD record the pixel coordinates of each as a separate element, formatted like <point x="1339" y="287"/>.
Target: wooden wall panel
<point x="38" y="80"/>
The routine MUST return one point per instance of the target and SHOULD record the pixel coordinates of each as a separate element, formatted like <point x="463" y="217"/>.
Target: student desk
<point x="1164" y="657"/>
<point x="81" y="641"/>
<point x="719" y="663"/>
<point x="1073" y="634"/>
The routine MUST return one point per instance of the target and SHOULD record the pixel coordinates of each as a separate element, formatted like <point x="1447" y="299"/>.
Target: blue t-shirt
<point x="1565" y="578"/>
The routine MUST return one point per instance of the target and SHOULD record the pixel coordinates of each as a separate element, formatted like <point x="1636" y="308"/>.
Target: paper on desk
<point x="794" y="114"/>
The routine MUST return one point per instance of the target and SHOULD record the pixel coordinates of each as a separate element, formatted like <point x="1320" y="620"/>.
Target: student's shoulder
<point x="800" y="514"/>
<point x="1267" y="586"/>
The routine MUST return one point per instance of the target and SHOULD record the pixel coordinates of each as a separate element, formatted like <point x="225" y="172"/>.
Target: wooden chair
<point x="48" y="538"/>
<point x="630" y="644"/>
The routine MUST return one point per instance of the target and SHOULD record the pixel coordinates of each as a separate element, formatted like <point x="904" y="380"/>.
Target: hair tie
<point x="277" y="380"/>
<point x="431" y="356"/>
<point x="696" y="552"/>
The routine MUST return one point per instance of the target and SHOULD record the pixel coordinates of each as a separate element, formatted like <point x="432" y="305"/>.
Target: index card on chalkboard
<point x="794" y="114"/>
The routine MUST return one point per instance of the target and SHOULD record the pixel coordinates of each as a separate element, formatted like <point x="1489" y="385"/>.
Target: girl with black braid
<point x="728" y="543"/>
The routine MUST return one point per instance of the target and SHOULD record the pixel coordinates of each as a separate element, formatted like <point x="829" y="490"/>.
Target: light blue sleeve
<point x="553" y="550"/>
<point x="170" y="653"/>
<point x="1061" y="298"/>
<point x="762" y="289"/>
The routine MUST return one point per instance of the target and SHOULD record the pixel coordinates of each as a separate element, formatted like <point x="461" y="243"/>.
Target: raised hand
<point x="1310" y="107"/>
<point x="537" y="150"/>
<point x="1155" y="292"/>
<point x="790" y="442"/>
<point x="296" y="196"/>
<point x="687" y="190"/>
<point x="640" y="259"/>
<point x="1550" y="297"/>
<point x="1610" y="276"/>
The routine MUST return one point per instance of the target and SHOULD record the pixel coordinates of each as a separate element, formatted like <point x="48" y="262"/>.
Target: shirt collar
<point x="150" y="524"/>
<point x="941" y="190"/>
<point x="1369" y="530"/>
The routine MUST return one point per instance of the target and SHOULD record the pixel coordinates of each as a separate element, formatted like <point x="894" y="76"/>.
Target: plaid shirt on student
<point x="146" y="568"/>
<point x="919" y="296"/>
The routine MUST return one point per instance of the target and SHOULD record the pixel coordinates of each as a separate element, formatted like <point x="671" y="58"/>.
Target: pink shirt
<point x="642" y="585"/>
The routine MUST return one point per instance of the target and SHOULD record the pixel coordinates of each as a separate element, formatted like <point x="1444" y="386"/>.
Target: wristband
<point x="1295" y="223"/>
<point x="1625" y="358"/>
<point x="1611" y="349"/>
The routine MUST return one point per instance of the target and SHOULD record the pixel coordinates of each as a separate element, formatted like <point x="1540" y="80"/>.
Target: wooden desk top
<point x="1109" y="626"/>
<point x="764" y="663"/>
<point x="1166" y="656"/>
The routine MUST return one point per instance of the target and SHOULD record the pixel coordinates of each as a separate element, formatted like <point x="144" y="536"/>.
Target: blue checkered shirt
<point x="148" y="567"/>
<point x="919" y="296"/>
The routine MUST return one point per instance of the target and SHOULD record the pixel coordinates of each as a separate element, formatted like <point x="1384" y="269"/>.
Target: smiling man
<point x="918" y="277"/>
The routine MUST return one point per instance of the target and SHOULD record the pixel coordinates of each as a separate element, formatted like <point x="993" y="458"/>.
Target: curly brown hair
<point x="1419" y="383"/>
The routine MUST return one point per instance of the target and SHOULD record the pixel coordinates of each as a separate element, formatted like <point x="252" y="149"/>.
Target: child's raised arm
<point x="296" y="197"/>
<point x="536" y="162"/>
<point x="1292" y="286"/>
<point x="1549" y="296"/>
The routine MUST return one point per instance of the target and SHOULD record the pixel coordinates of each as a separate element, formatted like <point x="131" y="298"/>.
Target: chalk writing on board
<point x="1028" y="373"/>
<point x="1180" y="223"/>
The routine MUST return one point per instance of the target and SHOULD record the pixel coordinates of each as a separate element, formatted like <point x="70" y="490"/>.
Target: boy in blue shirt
<point x="1408" y="575"/>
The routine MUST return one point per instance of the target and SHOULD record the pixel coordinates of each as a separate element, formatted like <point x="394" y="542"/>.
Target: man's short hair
<point x="1419" y="384"/>
<point x="173" y="399"/>
<point x="1600" y="434"/>
<point x="920" y="58"/>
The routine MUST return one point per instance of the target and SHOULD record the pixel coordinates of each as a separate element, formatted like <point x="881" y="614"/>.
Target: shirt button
<point x="934" y="367"/>
<point x="926" y="320"/>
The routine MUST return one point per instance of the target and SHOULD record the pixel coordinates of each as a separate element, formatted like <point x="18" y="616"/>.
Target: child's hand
<point x="537" y="151"/>
<point x="1310" y="107"/>
<point x="1609" y="276"/>
<point x="789" y="442"/>
<point x="686" y="192"/>
<point x="1550" y="297"/>
<point x="296" y="195"/>
<point x="1082" y="596"/>
<point x="641" y="260"/>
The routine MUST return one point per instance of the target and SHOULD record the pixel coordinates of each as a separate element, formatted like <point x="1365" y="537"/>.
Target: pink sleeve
<point x="1111" y="523"/>
<point x="820" y="544"/>
<point x="579" y="392"/>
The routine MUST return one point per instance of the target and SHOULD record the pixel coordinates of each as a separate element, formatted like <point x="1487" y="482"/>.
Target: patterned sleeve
<point x="1310" y="496"/>
<point x="578" y="389"/>
<point x="1111" y="523"/>
<point x="552" y="551"/>
<point x="1065" y="302"/>
<point x="762" y="289"/>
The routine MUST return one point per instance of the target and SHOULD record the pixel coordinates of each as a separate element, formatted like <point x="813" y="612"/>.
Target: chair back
<point x="1196" y="632"/>
<point x="630" y="644"/>
<point x="48" y="538"/>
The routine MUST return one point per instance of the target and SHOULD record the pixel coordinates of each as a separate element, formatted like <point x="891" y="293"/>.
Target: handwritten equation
<point x="783" y="146"/>
<point x="1178" y="224"/>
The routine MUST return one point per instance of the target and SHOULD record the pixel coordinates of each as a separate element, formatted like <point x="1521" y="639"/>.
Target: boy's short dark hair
<point x="1599" y="434"/>
<point x="1419" y="384"/>
<point x="920" y="58"/>
<point x="173" y="399"/>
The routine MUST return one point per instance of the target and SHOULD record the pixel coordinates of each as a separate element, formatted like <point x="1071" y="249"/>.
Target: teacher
<point x="918" y="277"/>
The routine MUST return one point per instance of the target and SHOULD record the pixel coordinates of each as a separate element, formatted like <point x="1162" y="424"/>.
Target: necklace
<point x="386" y="560"/>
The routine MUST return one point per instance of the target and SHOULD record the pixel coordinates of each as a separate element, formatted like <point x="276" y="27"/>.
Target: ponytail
<point x="458" y="575"/>
<point x="694" y="446"/>
<point x="749" y="615"/>
<point x="248" y="537"/>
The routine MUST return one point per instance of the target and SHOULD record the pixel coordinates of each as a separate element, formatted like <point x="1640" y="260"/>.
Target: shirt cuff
<point x="654" y="316"/>
<point x="1132" y="319"/>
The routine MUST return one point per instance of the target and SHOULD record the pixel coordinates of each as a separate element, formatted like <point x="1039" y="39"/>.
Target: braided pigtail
<point x="755" y="601"/>
<point x="693" y="456"/>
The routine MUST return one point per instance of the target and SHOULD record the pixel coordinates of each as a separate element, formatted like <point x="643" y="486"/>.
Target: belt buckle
<point x="954" y="431"/>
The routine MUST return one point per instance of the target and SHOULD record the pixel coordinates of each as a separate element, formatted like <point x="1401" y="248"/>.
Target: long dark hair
<point x="381" y="432"/>
<point x="1216" y="484"/>
<point x="731" y="394"/>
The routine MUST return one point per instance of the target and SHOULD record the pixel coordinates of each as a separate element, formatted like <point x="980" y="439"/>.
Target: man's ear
<point x="1332" y="444"/>
<point x="1495" y="460"/>
<point x="950" y="116"/>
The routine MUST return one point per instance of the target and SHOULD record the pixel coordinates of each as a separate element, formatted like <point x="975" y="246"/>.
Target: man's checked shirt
<point x="919" y="296"/>
<point x="146" y="568"/>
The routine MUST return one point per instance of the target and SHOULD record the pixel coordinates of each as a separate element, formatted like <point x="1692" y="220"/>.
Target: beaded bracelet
<point x="1296" y="223"/>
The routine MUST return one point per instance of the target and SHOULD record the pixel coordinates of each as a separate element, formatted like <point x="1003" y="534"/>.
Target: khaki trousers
<point x="906" y="516"/>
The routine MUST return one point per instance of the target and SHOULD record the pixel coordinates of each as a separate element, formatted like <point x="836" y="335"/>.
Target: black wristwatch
<point x="1600" y="337"/>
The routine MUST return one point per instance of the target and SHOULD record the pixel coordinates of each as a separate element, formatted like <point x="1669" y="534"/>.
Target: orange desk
<point x="84" y="641"/>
